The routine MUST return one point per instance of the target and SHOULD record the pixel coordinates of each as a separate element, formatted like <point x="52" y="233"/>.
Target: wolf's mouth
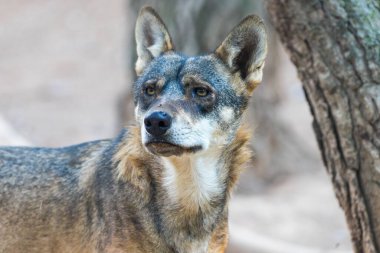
<point x="168" y="149"/>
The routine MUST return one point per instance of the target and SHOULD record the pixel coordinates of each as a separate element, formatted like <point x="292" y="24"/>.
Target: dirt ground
<point x="63" y="68"/>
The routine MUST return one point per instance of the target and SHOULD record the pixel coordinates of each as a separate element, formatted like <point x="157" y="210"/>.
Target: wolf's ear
<point x="152" y="38"/>
<point x="244" y="50"/>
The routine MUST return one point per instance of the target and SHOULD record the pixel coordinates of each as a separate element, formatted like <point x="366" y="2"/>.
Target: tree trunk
<point x="335" y="47"/>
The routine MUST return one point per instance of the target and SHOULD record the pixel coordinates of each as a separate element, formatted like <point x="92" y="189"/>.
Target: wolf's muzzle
<point x="158" y="123"/>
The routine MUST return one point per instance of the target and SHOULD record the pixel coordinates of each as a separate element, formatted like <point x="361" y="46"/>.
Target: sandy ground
<point x="63" y="68"/>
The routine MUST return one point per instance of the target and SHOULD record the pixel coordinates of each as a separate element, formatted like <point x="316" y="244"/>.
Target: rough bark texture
<point x="335" y="47"/>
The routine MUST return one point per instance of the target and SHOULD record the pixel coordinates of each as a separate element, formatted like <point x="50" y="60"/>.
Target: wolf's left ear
<point x="152" y="38"/>
<point x="244" y="50"/>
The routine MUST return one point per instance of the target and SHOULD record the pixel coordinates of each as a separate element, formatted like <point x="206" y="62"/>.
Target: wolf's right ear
<point x="152" y="38"/>
<point x="244" y="51"/>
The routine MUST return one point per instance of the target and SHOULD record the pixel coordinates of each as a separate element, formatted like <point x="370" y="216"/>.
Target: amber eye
<point x="150" y="90"/>
<point x="201" y="92"/>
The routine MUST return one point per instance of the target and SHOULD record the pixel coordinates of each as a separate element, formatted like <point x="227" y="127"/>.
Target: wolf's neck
<point x="194" y="181"/>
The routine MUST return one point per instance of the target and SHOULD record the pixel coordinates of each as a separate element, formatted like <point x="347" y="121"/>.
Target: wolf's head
<point x="192" y="104"/>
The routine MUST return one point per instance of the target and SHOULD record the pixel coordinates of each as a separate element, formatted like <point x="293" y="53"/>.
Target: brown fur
<point x="131" y="161"/>
<point x="239" y="153"/>
<point x="219" y="239"/>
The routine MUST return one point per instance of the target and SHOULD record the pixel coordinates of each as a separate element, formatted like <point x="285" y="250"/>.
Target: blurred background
<point x="66" y="72"/>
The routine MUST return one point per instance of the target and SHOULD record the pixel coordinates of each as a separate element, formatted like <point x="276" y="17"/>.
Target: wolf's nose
<point x="158" y="123"/>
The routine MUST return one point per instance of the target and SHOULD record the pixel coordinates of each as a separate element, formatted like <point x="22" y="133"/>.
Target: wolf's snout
<point x="158" y="123"/>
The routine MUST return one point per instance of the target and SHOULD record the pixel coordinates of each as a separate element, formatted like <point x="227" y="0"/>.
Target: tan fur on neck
<point x="132" y="161"/>
<point x="238" y="153"/>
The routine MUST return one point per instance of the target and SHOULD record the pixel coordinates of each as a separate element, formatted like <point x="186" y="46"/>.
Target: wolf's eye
<point x="150" y="91"/>
<point x="201" y="92"/>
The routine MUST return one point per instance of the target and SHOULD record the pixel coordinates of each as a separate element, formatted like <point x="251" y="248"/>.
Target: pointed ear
<point x="244" y="50"/>
<point x="152" y="38"/>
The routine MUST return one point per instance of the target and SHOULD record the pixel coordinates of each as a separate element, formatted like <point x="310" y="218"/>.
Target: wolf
<point x="160" y="186"/>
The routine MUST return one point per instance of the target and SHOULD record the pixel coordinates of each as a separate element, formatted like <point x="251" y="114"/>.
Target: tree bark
<point x="335" y="47"/>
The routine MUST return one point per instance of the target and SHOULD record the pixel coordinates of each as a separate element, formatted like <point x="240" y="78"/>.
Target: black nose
<point x="158" y="123"/>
